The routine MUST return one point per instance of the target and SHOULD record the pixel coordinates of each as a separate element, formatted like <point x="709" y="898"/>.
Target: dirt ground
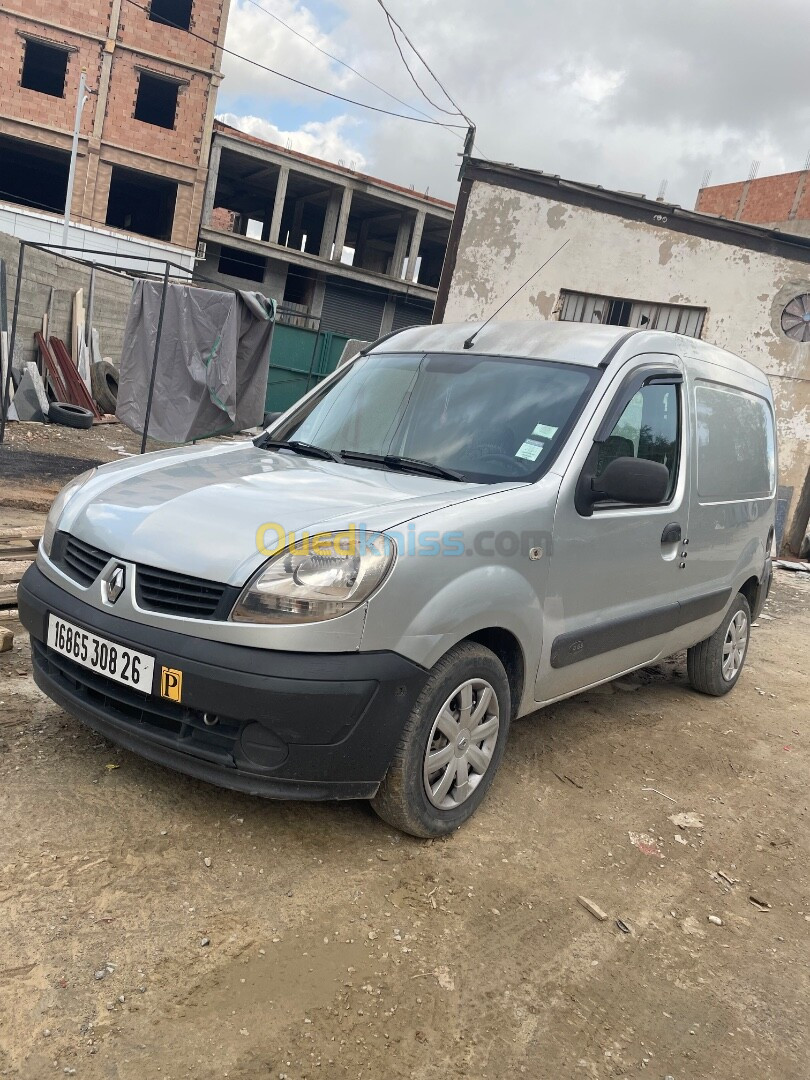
<point x="157" y="927"/>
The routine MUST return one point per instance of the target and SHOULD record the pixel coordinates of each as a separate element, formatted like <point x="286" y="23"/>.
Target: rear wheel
<point x="451" y="746"/>
<point x="714" y="665"/>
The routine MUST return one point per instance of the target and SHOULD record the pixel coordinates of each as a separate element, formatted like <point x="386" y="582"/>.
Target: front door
<point x="615" y="573"/>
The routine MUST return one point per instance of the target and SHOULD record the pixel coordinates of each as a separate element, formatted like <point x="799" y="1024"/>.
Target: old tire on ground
<point x="104" y="385"/>
<point x="714" y="665"/>
<point x="451" y="745"/>
<point x="62" y="412"/>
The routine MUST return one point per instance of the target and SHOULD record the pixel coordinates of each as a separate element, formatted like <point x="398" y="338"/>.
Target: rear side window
<point x="735" y="437"/>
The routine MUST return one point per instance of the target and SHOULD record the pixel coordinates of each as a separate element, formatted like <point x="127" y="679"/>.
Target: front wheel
<point x="451" y="746"/>
<point x="714" y="665"/>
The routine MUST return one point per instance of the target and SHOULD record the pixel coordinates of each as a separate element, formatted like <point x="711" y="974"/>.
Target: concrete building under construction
<point x="344" y="252"/>
<point x="145" y="130"/>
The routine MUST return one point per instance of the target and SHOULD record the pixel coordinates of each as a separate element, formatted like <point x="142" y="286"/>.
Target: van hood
<point x="198" y="511"/>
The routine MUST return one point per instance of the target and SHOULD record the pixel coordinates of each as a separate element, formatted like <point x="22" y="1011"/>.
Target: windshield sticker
<point x="531" y="451"/>
<point x="544" y="431"/>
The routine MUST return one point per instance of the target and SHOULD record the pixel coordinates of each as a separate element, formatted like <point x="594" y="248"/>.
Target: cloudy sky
<point x="625" y="93"/>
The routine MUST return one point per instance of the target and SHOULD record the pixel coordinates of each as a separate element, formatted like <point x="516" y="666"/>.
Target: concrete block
<point x="30" y="399"/>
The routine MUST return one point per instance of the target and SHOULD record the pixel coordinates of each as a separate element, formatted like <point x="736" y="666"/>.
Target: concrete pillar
<point x="400" y="247"/>
<point x="211" y="183"/>
<point x="318" y="290"/>
<point x="296" y="232"/>
<point x="278" y="205"/>
<point x="387" y="324"/>
<point x="342" y="223"/>
<point x="330" y="222"/>
<point x="416" y="240"/>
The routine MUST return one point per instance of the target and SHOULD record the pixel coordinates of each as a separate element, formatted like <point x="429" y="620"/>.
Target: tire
<point x="62" y="412"/>
<point x="403" y="800"/>
<point x="104" y="384"/>
<point x="705" y="661"/>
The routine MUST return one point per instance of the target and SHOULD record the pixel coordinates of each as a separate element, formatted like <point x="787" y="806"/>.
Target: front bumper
<point x="288" y="725"/>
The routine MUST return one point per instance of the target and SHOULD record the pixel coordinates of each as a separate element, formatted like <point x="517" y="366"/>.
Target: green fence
<point x="298" y="360"/>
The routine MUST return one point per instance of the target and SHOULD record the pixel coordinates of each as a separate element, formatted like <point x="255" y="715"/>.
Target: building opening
<point x="241" y="264"/>
<point x="33" y="175"/>
<point x="44" y="67"/>
<point x="156" y="102"/>
<point x="616" y="311"/>
<point x="171" y="13"/>
<point x="141" y="203"/>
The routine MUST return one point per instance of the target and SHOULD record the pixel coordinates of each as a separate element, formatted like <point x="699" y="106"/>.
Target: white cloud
<point x="319" y="138"/>
<point x="696" y="92"/>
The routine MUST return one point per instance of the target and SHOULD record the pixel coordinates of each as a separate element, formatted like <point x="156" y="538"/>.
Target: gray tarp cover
<point x="213" y="362"/>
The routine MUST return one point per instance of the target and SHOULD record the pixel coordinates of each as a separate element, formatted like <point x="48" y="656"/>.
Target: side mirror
<point x="631" y="480"/>
<point x="270" y="418"/>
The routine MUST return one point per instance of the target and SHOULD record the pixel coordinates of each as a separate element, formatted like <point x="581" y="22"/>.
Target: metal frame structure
<point x="92" y="266"/>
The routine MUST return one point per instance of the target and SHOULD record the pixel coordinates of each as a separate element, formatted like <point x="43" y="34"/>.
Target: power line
<point x="300" y="82"/>
<point x="392" y="22"/>
<point x="337" y="59"/>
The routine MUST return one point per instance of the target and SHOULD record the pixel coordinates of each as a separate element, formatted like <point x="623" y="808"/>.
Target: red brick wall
<point x="768" y="200"/>
<point x="31" y="106"/>
<point x="89" y="16"/>
<point x="721" y="199"/>
<point x="183" y="143"/>
<point x="137" y="31"/>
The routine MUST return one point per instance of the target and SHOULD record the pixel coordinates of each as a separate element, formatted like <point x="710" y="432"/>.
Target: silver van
<point x="456" y="528"/>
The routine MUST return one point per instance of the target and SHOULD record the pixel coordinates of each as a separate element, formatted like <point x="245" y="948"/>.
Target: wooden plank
<point x="12" y="571"/>
<point x="8" y="595"/>
<point x="14" y="554"/>
<point x="21" y="532"/>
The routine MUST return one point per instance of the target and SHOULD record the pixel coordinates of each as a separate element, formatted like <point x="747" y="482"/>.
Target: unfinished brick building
<point x="781" y="202"/>
<point x="146" y="127"/>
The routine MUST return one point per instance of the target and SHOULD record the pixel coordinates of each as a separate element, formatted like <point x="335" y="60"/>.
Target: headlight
<point x="58" y="506"/>
<point x="321" y="578"/>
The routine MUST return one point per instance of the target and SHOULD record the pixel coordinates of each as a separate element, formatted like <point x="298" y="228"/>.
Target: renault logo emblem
<point x="116" y="583"/>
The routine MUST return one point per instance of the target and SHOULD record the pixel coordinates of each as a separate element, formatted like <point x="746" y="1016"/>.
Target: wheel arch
<point x="507" y="648"/>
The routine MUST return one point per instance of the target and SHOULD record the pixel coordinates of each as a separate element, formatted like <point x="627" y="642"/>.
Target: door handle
<point x="671" y="533"/>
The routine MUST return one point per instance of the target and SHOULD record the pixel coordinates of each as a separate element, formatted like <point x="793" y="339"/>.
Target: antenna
<point x="752" y="174"/>
<point x="707" y="179"/>
<point x="662" y="191"/>
<point x="468" y="344"/>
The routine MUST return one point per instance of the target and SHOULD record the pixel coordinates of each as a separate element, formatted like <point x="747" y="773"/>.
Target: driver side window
<point x="650" y="428"/>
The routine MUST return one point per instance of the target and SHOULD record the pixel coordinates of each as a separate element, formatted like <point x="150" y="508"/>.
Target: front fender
<point x="482" y="597"/>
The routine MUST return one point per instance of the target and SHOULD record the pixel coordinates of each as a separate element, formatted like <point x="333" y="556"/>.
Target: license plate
<point x="124" y="665"/>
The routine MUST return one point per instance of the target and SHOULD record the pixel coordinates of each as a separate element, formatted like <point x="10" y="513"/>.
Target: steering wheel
<point x="510" y="464"/>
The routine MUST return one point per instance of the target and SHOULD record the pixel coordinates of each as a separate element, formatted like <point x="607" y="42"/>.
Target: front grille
<point x="81" y="561"/>
<point x="169" y="722"/>
<point x="180" y="594"/>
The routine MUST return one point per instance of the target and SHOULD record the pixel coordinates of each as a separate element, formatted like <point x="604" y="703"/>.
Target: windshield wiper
<point x="403" y="464"/>
<point x="304" y="448"/>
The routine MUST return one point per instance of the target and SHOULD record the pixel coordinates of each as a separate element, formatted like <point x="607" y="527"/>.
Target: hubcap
<point x="462" y="741"/>
<point x="735" y="645"/>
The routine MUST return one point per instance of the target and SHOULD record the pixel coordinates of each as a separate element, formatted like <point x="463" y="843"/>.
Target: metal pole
<point x="155" y="359"/>
<point x="12" y="342"/>
<point x="82" y="98"/>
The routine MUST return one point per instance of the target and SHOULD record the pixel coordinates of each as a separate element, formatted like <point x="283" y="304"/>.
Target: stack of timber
<point x="18" y="547"/>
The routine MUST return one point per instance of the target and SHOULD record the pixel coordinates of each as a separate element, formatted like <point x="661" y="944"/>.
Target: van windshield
<point x="487" y="419"/>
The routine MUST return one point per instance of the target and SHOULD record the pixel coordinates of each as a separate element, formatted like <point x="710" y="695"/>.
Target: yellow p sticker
<point x="171" y="683"/>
